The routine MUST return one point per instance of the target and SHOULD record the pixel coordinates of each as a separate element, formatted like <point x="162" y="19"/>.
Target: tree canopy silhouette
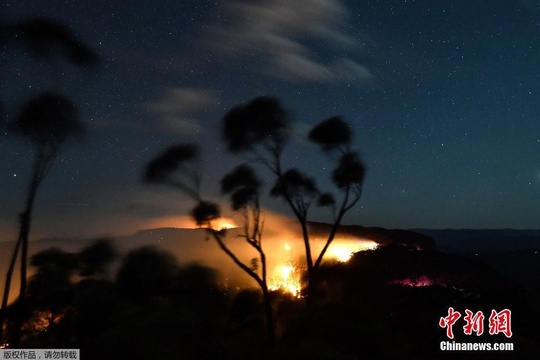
<point x="259" y="129"/>
<point x="261" y="121"/>
<point x="95" y="258"/>
<point x="44" y="38"/>
<point x="331" y="134"/>
<point x="146" y="273"/>
<point x="178" y="167"/>
<point x="48" y="120"/>
<point x="243" y="186"/>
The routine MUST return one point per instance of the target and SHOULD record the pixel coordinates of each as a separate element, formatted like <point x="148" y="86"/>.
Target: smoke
<point x="284" y="249"/>
<point x="281" y="241"/>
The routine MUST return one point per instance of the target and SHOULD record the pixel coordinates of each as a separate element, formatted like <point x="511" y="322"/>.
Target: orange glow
<point x="286" y="275"/>
<point x="286" y="279"/>
<point x="222" y="224"/>
<point x="342" y="250"/>
<point x="286" y="271"/>
<point x="182" y="222"/>
<point x="185" y="222"/>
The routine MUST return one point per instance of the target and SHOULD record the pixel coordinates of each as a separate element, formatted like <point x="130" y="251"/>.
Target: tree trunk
<point x="268" y="311"/>
<point x="269" y="315"/>
<point x="25" y="219"/>
<point x="7" y="287"/>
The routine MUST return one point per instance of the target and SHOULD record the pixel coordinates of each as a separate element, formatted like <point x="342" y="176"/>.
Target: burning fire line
<point x="287" y="277"/>
<point x="287" y="274"/>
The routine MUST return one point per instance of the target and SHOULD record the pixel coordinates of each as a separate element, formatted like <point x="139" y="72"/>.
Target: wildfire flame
<point x="222" y="224"/>
<point x="287" y="279"/>
<point x="342" y="251"/>
<point x="286" y="275"/>
<point x="415" y="281"/>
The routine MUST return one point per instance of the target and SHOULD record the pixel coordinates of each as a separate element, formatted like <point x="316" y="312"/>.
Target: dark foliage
<point x="241" y="176"/>
<point x="47" y="119"/>
<point x="261" y="121"/>
<point x="243" y="185"/>
<point x="360" y="312"/>
<point x="55" y="257"/>
<point x="96" y="305"/>
<point x="205" y="212"/>
<point x="50" y="287"/>
<point x="146" y="273"/>
<point x="349" y="172"/>
<point x="294" y="183"/>
<point x="326" y="199"/>
<point x="45" y="38"/>
<point x="159" y="169"/>
<point x="95" y="258"/>
<point x="331" y="133"/>
<point x="196" y="288"/>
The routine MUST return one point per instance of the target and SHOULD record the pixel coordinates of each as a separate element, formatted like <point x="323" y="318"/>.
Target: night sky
<point x="443" y="97"/>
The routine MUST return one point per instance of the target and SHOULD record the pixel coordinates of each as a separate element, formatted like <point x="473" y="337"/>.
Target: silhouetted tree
<point x="50" y="290"/>
<point x="147" y="273"/>
<point x="47" y="120"/>
<point x="55" y="303"/>
<point x="178" y="167"/>
<point x="45" y="39"/>
<point x="196" y="287"/>
<point x="95" y="258"/>
<point x="94" y="300"/>
<point x="260" y="128"/>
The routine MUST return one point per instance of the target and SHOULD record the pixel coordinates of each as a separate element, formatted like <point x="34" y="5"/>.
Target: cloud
<point x="180" y="101"/>
<point x="277" y="32"/>
<point x="179" y="106"/>
<point x="347" y="68"/>
<point x="292" y="67"/>
<point x="177" y="109"/>
<point x="181" y="126"/>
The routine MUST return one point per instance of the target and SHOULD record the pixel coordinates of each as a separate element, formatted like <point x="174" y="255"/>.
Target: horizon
<point x="141" y="230"/>
<point x="134" y="232"/>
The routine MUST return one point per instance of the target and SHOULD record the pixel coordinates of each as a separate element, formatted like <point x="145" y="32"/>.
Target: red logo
<point x="499" y="322"/>
<point x="449" y="321"/>
<point x="475" y="323"/>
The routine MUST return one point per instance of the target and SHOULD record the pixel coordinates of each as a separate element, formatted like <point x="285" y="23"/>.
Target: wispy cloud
<point x="178" y="109"/>
<point x="285" y="35"/>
